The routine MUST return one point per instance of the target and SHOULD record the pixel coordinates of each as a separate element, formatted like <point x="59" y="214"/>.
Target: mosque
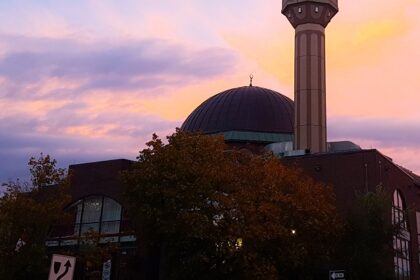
<point x="259" y="119"/>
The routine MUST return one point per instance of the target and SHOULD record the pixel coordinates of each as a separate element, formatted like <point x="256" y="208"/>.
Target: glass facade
<point x="401" y="241"/>
<point x="98" y="214"/>
<point x="93" y="215"/>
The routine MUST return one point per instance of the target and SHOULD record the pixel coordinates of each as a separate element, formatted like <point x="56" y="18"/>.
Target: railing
<point x="331" y="2"/>
<point x="71" y="235"/>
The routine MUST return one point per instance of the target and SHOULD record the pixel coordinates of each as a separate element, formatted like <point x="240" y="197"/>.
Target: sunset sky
<point x="88" y="80"/>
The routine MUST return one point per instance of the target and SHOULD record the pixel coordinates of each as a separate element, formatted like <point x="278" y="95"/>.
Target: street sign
<point x="62" y="267"/>
<point x="337" y="275"/>
<point x="106" y="270"/>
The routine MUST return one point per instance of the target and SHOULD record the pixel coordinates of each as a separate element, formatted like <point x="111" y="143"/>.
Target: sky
<point x="90" y="80"/>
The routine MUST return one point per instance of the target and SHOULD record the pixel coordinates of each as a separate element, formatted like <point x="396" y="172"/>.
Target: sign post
<point x="62" y="267"/>
<point x="337" y="275"/>
<point x="106" y="270"/>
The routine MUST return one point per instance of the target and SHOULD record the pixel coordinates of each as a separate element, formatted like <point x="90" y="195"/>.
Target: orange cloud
<point x="51" y="84"/>
<point x="182" y="101"/>
<point x="358" y="44"/>
<point x="36" y="108"/>
<point x="348" y="44"/>
<point x="91" y="131"/>
<point x="272" y="53"/>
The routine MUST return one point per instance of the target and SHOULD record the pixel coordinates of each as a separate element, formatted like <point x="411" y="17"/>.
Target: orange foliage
<point x="226" y="213"/>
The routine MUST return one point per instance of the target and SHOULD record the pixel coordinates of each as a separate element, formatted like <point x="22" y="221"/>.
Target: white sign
<point x="337" y="275"/>
<point x="62" y="267"/>
<point x="106" y="270"/>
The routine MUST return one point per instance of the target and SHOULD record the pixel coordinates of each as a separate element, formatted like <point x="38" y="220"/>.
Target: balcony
<point x="333" y="3"/>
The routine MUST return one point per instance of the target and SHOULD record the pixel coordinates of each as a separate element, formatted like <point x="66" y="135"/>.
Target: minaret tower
<point x="310" y="18"/>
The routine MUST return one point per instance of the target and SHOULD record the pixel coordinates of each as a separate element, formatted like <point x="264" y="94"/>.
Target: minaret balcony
<point x="310" y="11"/>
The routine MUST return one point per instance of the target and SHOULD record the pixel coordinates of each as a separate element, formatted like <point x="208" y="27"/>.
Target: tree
<point x="27" y="210"/>
<point x="366" y="248"/>
<point x="214" y="213"/>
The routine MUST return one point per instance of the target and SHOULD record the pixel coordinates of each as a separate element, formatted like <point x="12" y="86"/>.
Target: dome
<point x="243" y="109"/>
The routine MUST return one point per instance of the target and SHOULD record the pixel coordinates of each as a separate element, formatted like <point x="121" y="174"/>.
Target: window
<point x="91" y="215"/>
<point x="418" y="232"/>
<point x="401" y="241"/>
<point x="97" y="214"/>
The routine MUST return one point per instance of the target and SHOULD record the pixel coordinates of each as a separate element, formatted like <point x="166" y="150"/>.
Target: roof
<point x="411" y="175"/>
<point x="110" y="162"/>
<point x="415" y="177"/>
<point x="250" y="109"/>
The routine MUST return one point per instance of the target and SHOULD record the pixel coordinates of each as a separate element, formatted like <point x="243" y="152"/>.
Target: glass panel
<point x="76" y="230"/>
<point x="78" y="212"/>
<point x="395" y="202"/>
<point x="111" y="211"/>
<point x="110" y="227"/>
<point x="92" y="210"/>
<point x="401" y="241"/>
<point x="89" y="228"/>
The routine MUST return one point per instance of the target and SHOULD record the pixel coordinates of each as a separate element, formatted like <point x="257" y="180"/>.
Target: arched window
<point x="401" y="241"/>
<point x="95" y="214"/>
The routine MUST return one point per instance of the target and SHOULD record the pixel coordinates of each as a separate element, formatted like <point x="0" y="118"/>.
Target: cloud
<point x="123" y="139"/>
<point x="395" y="138"/>
<point x="386" y="132"/>
<point x="83" y="101"/>
<point x="142" y="64"/>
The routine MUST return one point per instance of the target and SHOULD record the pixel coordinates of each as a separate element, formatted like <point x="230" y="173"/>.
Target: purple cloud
<point x="132" y="68"/>
<point x="398" y="140"/>
<point x="145" y="64"/>
<point x="18" y="142"/>
<point x="386" y="132"/>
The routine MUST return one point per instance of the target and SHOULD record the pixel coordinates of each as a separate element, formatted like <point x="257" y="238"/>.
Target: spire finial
<point x="251" y="77"/>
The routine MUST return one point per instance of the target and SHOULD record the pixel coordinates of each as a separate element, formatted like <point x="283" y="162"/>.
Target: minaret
<point x="310" y="18"/>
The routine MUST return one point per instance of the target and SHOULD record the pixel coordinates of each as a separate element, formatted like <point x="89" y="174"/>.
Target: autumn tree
<point x="27" y="210"/>
<point x="366" y="250"/>
<point x="215" y="213"/>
